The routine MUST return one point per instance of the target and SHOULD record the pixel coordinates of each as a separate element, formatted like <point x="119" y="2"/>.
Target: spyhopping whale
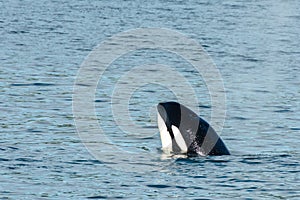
<point x="183" y="132"/>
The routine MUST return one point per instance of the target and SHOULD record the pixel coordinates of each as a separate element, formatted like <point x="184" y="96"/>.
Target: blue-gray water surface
<point x="254" y="44"/>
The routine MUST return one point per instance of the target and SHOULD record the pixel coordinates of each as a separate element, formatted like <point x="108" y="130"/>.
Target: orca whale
<point x="183" y="132"/>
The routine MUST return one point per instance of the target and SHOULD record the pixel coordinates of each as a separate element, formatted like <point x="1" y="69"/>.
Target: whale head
<point x="183" y="131"/>
<point x="169" y="117"/>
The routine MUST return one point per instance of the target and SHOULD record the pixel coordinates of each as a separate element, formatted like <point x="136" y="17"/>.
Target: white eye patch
<point x="179" y="139"/>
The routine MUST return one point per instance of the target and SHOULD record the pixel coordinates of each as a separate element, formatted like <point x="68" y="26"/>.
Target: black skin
<point x="198" y="134"/>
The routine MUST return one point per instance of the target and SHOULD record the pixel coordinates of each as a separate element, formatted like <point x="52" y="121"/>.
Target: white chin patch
<point x="179" y="139"/>
<point x="165" y="137"/>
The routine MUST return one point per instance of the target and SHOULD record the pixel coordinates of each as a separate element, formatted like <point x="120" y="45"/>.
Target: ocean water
<point x="255" y="46"/>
